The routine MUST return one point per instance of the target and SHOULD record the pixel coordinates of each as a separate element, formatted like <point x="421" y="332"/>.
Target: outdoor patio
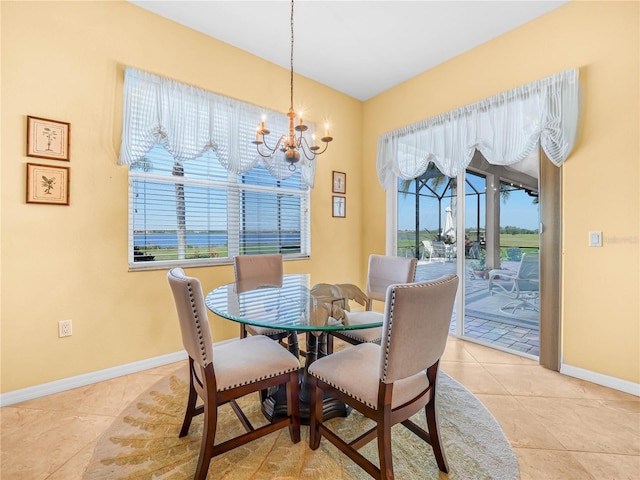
<point x="484" y="321"/>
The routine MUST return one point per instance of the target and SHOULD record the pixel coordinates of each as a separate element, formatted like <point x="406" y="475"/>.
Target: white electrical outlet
<point x="64" y="328"/>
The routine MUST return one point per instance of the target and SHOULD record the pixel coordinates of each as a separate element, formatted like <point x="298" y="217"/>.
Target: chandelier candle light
<point x="290" y="144"/>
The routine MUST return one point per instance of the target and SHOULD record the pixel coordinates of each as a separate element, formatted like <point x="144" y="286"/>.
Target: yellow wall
<point x="601" y="318"/>
<point x="65" y="60"/>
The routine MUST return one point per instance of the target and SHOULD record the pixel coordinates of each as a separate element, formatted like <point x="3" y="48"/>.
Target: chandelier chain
<point x="291" y="58"/>
<point x="290" y="145"/>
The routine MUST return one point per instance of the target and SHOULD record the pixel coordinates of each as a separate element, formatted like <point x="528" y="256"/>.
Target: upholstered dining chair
<point x="255" y="271"/>
<point x="391" y="382"/>
<point x="383" y="271"/>
<point x="238" y="368"/>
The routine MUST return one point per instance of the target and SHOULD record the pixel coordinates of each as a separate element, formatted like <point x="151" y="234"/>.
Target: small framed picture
<point x="339" y="207"/>
<point x="339" y="182"/>
<point x="47" y="138"/>
<point x="47" y="184"/>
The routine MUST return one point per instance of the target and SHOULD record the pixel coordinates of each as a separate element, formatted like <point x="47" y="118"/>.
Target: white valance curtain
<point x="505" y="128"/>
<point x="188" y="121"/>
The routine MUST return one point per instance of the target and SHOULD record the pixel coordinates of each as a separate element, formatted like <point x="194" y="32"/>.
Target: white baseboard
<point x="58" y="386"/>
<point x="601" y="379"/>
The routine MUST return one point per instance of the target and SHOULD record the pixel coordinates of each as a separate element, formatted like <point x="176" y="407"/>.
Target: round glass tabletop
<point x="290" y="306"/>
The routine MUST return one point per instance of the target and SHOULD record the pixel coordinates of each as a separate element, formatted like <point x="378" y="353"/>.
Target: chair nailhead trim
<point x="347" y="333"/>
<point x="271" y="375"/>
<point x="393" y="299"/>
<point x="388" y="335"/>
<point x="203" y="351"/>
<point x="361" y="400"/>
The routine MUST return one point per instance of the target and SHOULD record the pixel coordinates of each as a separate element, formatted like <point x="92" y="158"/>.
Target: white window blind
<point x="199" y="213"/>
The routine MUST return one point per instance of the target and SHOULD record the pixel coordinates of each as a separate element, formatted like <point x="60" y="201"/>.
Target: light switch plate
<point x="595" y="239"/>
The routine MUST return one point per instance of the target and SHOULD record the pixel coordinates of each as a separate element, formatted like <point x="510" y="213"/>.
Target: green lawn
<point x="520" y="240"/>
<point x="171" y="253"/>
<point x="526" y="241"/>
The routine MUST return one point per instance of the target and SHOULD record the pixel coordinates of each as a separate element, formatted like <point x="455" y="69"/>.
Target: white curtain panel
<point x="188" y="121"/>
<point x="505" y="128"/>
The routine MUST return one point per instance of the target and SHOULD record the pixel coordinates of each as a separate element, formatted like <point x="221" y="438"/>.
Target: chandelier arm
<point x="281" y="140"/>
<point x="263" y="155"/>
<point x="303" y="144"/>
<point x="316" y="152"/>
<point x="264" y="141"/>
<point x="326" y="145"/>
<point x="273" y="150"/>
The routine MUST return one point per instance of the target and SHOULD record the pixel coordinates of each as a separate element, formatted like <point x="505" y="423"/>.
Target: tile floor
<point x="560" y="427"/>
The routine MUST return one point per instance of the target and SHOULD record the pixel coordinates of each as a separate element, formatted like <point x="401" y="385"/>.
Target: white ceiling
<point x="360" y="48"/>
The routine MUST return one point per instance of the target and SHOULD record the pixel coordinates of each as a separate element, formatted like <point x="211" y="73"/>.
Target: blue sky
<point x="518" y="211"/>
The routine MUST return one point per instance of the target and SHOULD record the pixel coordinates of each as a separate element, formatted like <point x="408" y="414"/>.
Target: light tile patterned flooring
<point x="560" y="427"/>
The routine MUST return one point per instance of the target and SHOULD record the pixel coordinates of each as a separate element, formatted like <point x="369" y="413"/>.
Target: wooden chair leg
<point x="432" y="419"/>
<point x="384" y="449"/>
<point x="208" y="438"/>
<point x="315" y="409"/>
<point x="434" y="434"/>
<point x="190" y="411"/>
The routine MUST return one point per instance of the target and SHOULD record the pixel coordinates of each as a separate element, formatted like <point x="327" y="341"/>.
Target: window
<point x="197" y="212"/>
<point x="199" y="193"/>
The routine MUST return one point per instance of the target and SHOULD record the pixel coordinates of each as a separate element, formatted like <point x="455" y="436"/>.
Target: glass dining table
<point x="295" y="307"/>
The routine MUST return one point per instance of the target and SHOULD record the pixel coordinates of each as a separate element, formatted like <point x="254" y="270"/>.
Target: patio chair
<point x="427" y="250"/>
<point x="523" y="287"/>
<point x="439" y="251"/>
<point x="474" y="250"/>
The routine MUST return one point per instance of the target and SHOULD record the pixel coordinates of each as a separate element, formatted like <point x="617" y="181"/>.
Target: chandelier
<point x="290" y="144"/>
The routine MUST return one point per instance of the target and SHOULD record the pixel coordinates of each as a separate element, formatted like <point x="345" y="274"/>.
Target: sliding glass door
<point x="501" y="267"/>
<point x="491" y="242"/>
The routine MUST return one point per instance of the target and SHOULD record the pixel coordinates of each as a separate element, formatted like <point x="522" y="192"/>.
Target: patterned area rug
<point x="142" y="443"/>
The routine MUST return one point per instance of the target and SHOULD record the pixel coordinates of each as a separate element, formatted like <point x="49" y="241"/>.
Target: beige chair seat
<point x="365" y="335"/>
<point x="242" y="362"/>
<point x="355" y="371"/>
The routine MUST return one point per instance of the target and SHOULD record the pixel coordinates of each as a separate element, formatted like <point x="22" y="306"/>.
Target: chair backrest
<point x="385" y="271"/>
<point x="192" y="314"/>
<point x="416" y="325"/>
<point x="529" y="270"/>
<point x="428" y="246"/>
<point x="254" y="271"/>
<point x="439" y="249"/>
<point x="474" y="250"/>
